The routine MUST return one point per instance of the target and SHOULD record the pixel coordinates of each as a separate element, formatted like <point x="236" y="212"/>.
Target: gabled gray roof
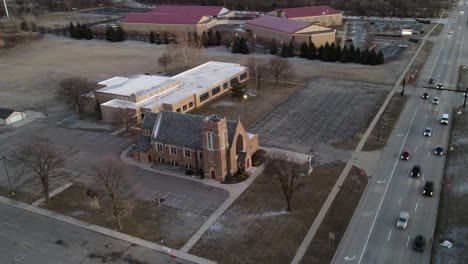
<point x="149" y="120"/>
<point x="143" y="143"/>
<point x="184" y="130"/>
<point x="5" y="113"/>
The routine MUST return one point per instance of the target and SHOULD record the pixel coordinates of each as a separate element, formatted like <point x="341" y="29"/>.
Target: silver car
<point x="427" y="132"/>
<point x="435" y="100"/>
<point x="402" y="221"/>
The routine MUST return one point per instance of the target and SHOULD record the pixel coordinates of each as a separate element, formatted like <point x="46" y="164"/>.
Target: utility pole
<point x="45" y="109"/>
<point x="6" y="9"/>
<point x="378" y="129"/>
<point x="158" y="202"/>
<point x="12" y="193"/>
<point x="464" y="99"/>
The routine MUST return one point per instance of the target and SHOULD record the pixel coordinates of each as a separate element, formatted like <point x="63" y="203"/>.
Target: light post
<point x="464" y="97"/>
<point x="378" y="130"/>
<point x="253" y="45"/>
<point x="12" y="193"/>
<point x="158" y="202"/>
<point x="6" y="9"/>
<point x="245" y="106"/>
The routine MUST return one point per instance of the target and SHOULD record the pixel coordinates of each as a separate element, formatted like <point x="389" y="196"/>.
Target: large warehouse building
<point x="180" y="93"/>
<point x="174" y="18"/>
<point x="286" y="30"/>
<point x="323" y="15"/>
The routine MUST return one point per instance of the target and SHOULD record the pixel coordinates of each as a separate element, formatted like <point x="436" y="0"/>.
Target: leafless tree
<point x="125" y="118"/>
<point x="108" y="175"/>
<point x="165" y="60"/>
<point x="44" y="159"/>
<point x="75" y="91"/>
<point x="186" y="49"/>
<point x="285" y="170"/>
<point x="280" y="68"/>
<point x="257" y="71"/>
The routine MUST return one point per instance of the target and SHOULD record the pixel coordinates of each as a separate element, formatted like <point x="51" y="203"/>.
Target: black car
<point x="440" y="86"/>
<point x="425" y="96"/>
<point x="439" y="150"/>
<point x="419" y="243"/>
<point x="415" y="171"/>
<point x="431" y="81"/>
<point x="428" y="188"/>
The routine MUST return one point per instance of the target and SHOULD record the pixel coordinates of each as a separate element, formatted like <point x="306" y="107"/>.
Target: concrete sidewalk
<point x="351" y="162"/>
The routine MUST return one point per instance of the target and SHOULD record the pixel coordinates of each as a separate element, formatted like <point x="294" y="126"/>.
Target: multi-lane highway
<point x="372" y="236"/>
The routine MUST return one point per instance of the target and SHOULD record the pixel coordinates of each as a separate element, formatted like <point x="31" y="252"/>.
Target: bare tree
<point x="75" y="91"/>
<point x="125" y="118"/>
<point x="186" y="49"/>
<point x="44" y="159"/>
<point x="108" y="174"/>
<point x="280" y="68"/>
<point x="285" y="170"/>
<point x="257" y="71"/>
<point x="165" y="60"/>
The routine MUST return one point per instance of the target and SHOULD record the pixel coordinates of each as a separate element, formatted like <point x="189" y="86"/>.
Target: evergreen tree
<point x="273" y="47"/>
<point x="338" y="52"/>
<point x="33" y="27"/>
<point x="157" y="38"/>
<point x="320" y="52"/>
<point x="109" y="33"/>
<point x="365" y="57"/>
<point x="71" y="29"/>
<point x="84" y="31"/>
<point x="236" y="46"/>
<point x="357" y="56"/>
<point x="344" y="54"/>
<point x="244" y="47"/>
<point x="351" y="50"/>
<point x="166" y="39"/>
<point x="312" y="53"/>
<point x="380" y="58"/>
<point x="304" y="51"/>
<point x="284" y="50"/>
<point x="204" y="39"/>
<point x="332" y="52"/>
<point x="218" y="38"/>
<point x="120" y="34"/>
<point x="152" y="38"/>
<point x="89" y="34"/>
<point x="326" y="52"/>
<point x="211" y="38"/>
<point x="24" y="25"/>
<point x="372" y="60"/>
<point x="78" y="31"/>
<point x="290" y="50"/>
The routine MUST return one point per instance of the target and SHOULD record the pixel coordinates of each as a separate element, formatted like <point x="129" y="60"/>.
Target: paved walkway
<point x="351" y="162"/>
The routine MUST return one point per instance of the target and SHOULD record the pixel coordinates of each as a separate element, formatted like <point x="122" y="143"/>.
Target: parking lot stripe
<point x="407" y="242"/>
<point x="389" y="234"/>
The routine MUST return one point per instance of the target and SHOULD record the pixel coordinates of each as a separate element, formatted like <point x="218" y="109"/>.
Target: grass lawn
<point x="337" y="219"/>
<point x="176" y="225"/>
<point x="257" y="229"/>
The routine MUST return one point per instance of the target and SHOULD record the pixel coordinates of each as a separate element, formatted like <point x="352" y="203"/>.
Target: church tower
<point x="215" y="147"/>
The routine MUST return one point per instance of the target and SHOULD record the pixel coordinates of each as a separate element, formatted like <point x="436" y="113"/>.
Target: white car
<point x="403" y="219"/>
<point x="427" y="132"/>
<point x="435" y="100"/>
<point x="450" y="32"/>
<point x="403" y="46"/>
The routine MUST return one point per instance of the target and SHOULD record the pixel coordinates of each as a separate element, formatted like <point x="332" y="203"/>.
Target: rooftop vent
<point x="215" y="118"/>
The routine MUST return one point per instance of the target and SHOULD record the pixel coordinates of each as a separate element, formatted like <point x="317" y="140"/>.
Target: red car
<point x="405" y="155"/>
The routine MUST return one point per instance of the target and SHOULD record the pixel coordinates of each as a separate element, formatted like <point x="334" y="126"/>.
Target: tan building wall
<point x="318" y="38"/>
<point x="148" y="27"/>
<point x="110" y="114"/>
<point x="325" y="20"/>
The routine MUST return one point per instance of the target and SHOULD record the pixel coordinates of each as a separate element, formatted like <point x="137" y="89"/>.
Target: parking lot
<point x="323" y="113"/>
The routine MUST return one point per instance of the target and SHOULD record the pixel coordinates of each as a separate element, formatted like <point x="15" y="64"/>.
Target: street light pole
<point x="158" y="202"/>
<point x="12" y="193"/>
<point x="464" y="99"/>
<point x="245" y="107"/>
<point x="378" y="130"/>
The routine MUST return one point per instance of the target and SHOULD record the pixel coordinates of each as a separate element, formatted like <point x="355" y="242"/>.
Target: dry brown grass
<point x="256" y="229"/>
<point x="337" y="219"/>
<point x="19" y="195"/>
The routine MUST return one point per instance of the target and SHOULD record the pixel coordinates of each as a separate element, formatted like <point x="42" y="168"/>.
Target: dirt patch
<point x="384" y="127"/>
<point x="452" y="216"/>
<point x="257" y="229"/>
<point x="437" y="30"/>
<point x="21" y="196"/>
<point x="462" y="78"/>
<point x="321" y="249"/>
<point x="142" y="222"/>
<point x="418" y="64"/>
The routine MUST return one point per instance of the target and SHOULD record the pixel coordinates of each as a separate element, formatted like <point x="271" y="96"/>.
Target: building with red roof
<point x="323" y="15"/>
<point x="211" y="11"/>
<point x="286" y="30"/>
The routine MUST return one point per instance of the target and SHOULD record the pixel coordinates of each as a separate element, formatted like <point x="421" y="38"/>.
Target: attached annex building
<point x="323" y="15"/>
<point x="286" y="30"/>
<point x="216" y="146"/>
<point x="180" y="93"/>
<point x="10" y="116"/>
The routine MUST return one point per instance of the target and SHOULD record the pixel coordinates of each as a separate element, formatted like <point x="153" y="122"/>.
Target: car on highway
<point x="427" y="132"/>
<point x="435" y="100"/>
<point x="415" y="171"/>
<point x="440" y="86"/>
<point x="403" y="46"/>
<point x="428" y="188"/>
<point x="404" y="155"/>
<point x="445" y="119"/>
<point x="425" y="96"/>
<point x="458" y="27"/>
<point x="431" y="81"/>
<point x="439" y="150"/>
<point x="450" y="32"/>
<point x="403" y="219"/>
<point x="419" y="243"/>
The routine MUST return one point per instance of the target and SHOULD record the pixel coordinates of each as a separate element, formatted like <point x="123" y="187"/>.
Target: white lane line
<point x="428" y="154"/>
<point x="389" y="235"/>
<point x="416" y="208"/>
<point x="422" y="177"/>
<point x="386" y="187"/>
<point x="416" y="149"/>
<point x="399" y="202"/>
<point x="407" y="241"/>
<point x="425" y="117"/>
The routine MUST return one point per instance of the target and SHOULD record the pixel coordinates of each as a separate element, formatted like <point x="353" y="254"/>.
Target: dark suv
<point x="425" y="95"/>
<point x="431" y="81"/>
<point x="439" y="150"/>
<point x="419" y="243"/>
<point x="428" y="188"/>
<point x="415" y="171"/>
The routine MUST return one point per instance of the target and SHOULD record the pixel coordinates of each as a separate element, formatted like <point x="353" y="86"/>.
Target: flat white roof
<point x="116" y="103"/>
<point x="139" y="84"/>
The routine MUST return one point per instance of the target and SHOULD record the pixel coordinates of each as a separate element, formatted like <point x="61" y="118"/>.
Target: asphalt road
<point x="372" y="236"/>
<point x="30" y="238"/>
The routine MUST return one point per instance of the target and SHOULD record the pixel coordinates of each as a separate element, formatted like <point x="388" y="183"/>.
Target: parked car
<point x="445" y="119"/>
<point x="435" y="100"/>
<point x="403" y="46"/>
<point x="450" y="32"/>
<point x="415" y="171"/>
<point x="440" y="86"/>
<point x="404" y="155"/>
<point x="419" y="243"/>
<point x="428" y="188"/>
<point x="403" y="219"/>
<point x="431" y="81"/>
<point x="439" y="150"/>
<point x="427" y="132"/>
<point x="413" y="40"/>
<point x="425" y="96"/>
